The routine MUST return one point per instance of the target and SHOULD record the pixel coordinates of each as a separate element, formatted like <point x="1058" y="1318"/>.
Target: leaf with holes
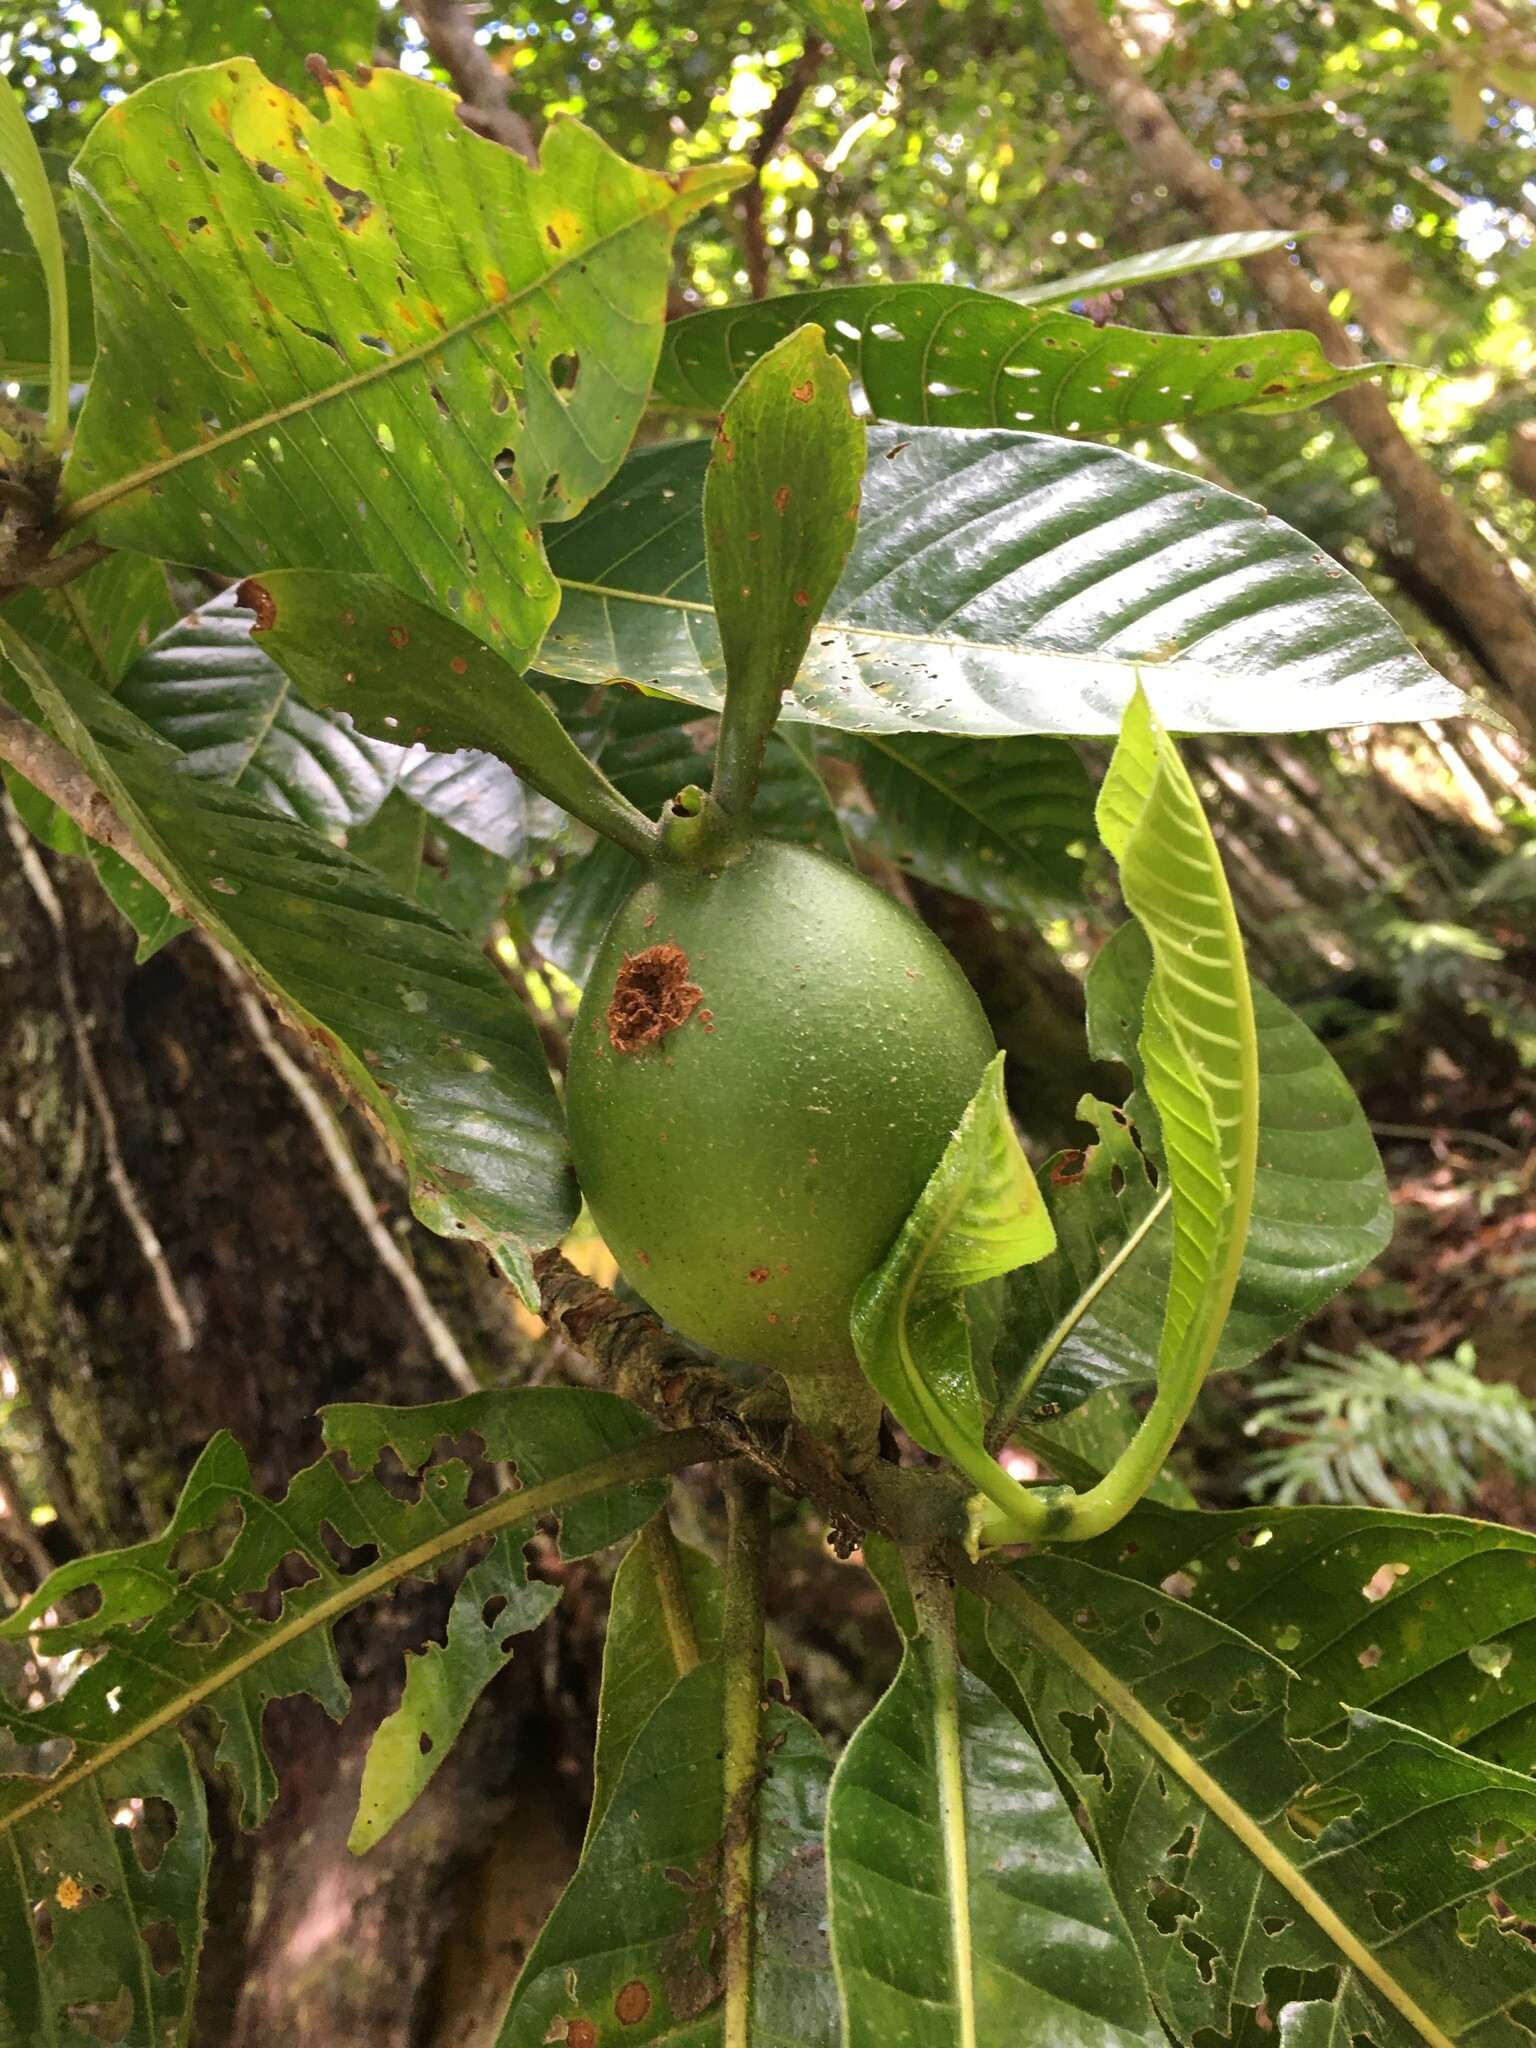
<point x="421" y="1025"/>
<point x="965" y="1905"/>
<point x="1004" y="583"/>
<point x="1177" y="260"/>
<point x="1376" y="1877"/>
<point x="350" y="367"/>
<point x="636" y="1932"/>
<point x="1090" y="1317"/>
<point x="233" y="1606"/>
<point x="941" y="355"/>
<point x="1429" y="1619"/>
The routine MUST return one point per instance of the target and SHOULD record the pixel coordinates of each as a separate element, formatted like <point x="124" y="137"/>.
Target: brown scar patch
<point x="632" y="2003"/>
<point x="758" y="1275"/>
<point x="651" y="997"/>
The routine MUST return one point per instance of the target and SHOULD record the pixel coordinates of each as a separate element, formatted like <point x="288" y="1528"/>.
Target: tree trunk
<point x="1451" y="557"/>
<point x="182" y="1182"/>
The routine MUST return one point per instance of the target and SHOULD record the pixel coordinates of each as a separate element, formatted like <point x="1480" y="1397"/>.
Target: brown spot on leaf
<point x="253" y="596"/>
<point x="758" y="1275"/>
<point x="781" y="497"/>
<point x="805" y="392"/>
<point x="1068" y="1169"/>
<point x="399" y="637"/>
<point x="580" y="2034"/>
<point x="651" y="997"/>
<point x="727" y="445"/>
<point x="632" y="2003"/>
<point x="802" y="598"/>
<point x="459" y="665"/>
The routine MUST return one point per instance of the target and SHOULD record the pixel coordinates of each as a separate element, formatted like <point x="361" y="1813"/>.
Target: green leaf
<point x="1177" y="260"/>
<point x="642" y="1656"/>
<point x="1246" y="1855"/>
<point x="635" y="1934"/>
<point x="405" y="674"/>
<point x="183" y="32"/>
<point x="494" y="1605"/>
<point x="216" y="696"/>
<point x="313" y="352"/>
<point x="103" y="621"/>
<point x="21" y="167"/>
<point x="966" y="1907"/>
<point x="1376" y="1607"/>
<point x="1091" y="1316"/>
<point x="1003" y="821"/>
<point x="940" y="355"/>
<point x="392" y="843"/>
<point x="781" y="500"/>
<point x="420" y="1024"/>
<point x="1005" y="583"/>
<point x="179" y="1624"/>
<point x="24" y="314"/>
<point x="845" y="26"/>
<point x="980" y="1215"/>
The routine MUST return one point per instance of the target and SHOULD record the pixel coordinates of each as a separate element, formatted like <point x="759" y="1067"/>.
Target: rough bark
<point x="1497" y="620"/>
<point x="289" y="1308"/>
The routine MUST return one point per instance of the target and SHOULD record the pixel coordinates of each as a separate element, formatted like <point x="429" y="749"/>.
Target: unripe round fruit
<point x="766" y="1067"/>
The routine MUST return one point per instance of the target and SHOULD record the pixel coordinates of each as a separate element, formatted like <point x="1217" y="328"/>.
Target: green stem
<point x="661" y="1554"/>
<point x="742" y="1652"/>
<point x="933" y="1597"/>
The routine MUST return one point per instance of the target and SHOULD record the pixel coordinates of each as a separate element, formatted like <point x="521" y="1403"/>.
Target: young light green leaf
<point x="1004" y="583"/>
<point x="493" y="1606"/>
<point x="405" y="674"/>
<point x="421" y="1026"/>
<point x="781" y="501"/>
<point x="966" y="1908"/>
<point x="1177" y="260"/>
<point x="176" y="1627"/>
<point x="25" y="314"/>
<point x="941" y="355"/>
<point x="1384" y="1869"/>
<point x="1199" y="1049"/>
<point x="635" y="1936"/>
<point x="980" y="1215"/>
<point x="21" y="166"/>
<point x="1090" y="1318"/>
<point x="313" y="353"/>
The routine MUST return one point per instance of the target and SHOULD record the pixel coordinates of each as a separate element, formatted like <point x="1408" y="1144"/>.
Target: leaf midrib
<point x="78" y="509"/>
<point x="650" y="1458"/>
<point x="995" y="1585"/>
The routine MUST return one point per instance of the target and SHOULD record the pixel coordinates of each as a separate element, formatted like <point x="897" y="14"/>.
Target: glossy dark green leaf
<point x="1378" y="1874"/>
<point x="632" y="1947"/>
<point x="24" y="317"/>
<point x="311" y="351"/>
<point x="965" y="1905"/>
<point x="942" y="355"/>
<point x="212" y="691"/>
<point x="180" y="1623"/>
<point x="1005" y="583"/>
<point x="1320" y="1214"/>
<point x="781" y="498"/>
<point x="420" y="1023"/>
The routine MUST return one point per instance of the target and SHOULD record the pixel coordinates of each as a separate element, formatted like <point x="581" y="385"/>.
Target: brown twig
<point x="52" y="572"/>
<point x="46" y="765"/>
<point x="641" y="1359"/>
<point x="477" y="79"/>
<point x="782" y="109"/>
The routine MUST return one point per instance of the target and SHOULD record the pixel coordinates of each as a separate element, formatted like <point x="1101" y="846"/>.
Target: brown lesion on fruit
<point x="651" y="997"/>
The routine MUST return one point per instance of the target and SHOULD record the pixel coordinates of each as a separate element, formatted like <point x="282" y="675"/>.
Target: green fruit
<point x="767" y="1065"/>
